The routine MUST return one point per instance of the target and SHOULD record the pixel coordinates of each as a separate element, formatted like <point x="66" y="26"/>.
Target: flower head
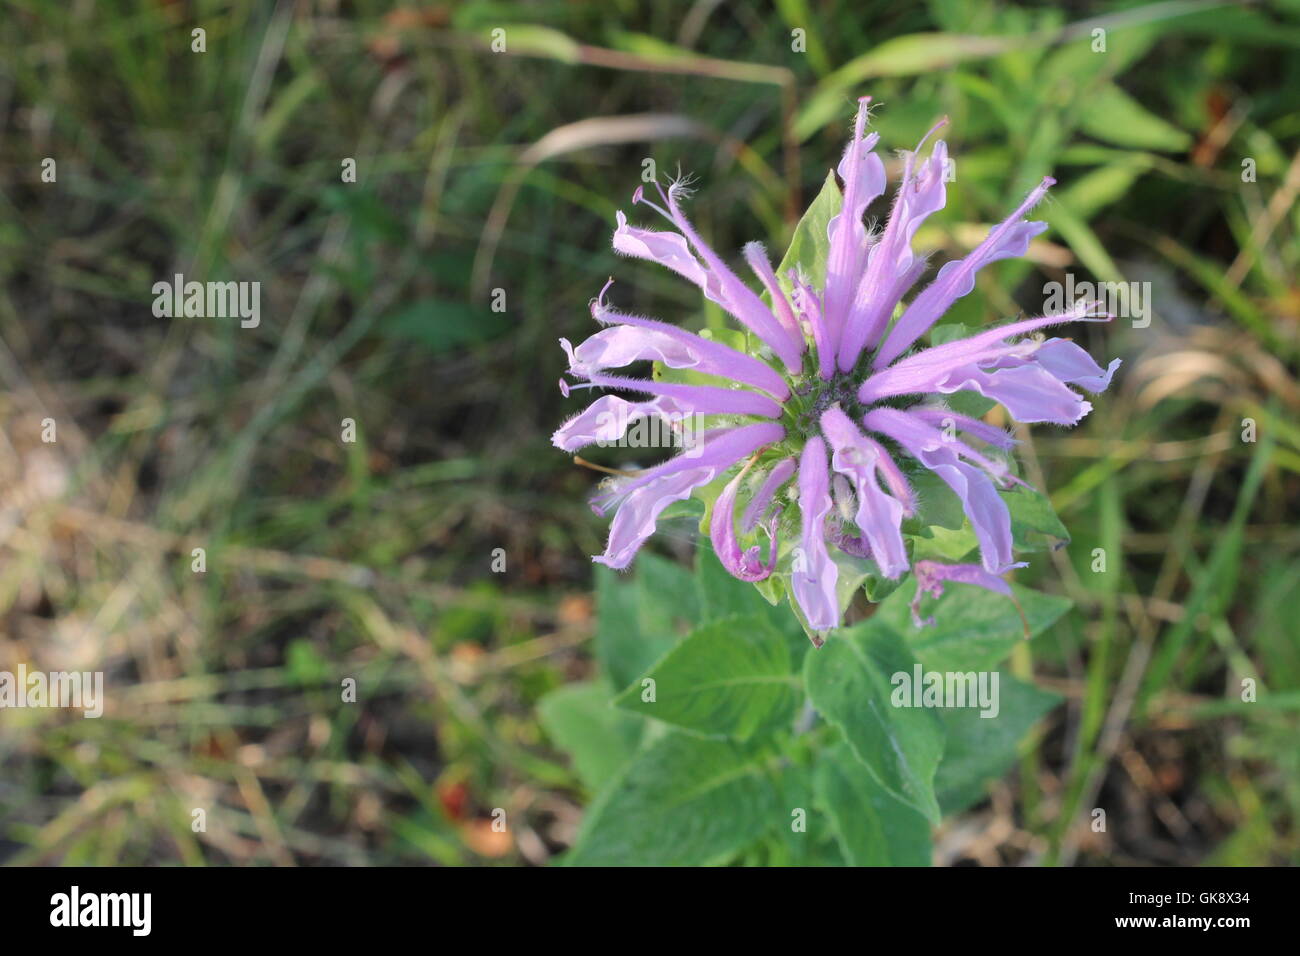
<point x="828" y="411"/>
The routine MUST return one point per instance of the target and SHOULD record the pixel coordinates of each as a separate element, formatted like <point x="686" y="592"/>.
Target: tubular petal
<point x="640" y="500"/>
<point x="639" y="511"/>
<point x="778" y="476"/>
<point x="722" y="531"/>
<point x="987" y="512"/>
<point x="939" y="417"/>
<point x="810" y="309"/>
<point x="1028" y="378"/>
<point x="1072" y="365"/>
<point x="712" y="358"/>
<point x="761" y="266"/>
<point x="893" y="268"/>
<point x="815" y="575"/>
<point x="879" y="517"/>
<point x="608" y="418"/>
<point x="736" y="297"/>
<point x="622" y="345"/>
<point x="701" y="399"/>
<point x="1008" y="240"/>
<point x="1028" y="393"/>
<point x="863" y="175"/>
<point x="666" y="248"/>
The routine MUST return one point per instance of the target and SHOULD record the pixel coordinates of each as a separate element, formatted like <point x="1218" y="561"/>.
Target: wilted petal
<point x="986" y="510"/>
<point x="930" y="576"/>
<point x="879" y="516"/>
<point x="1008" y="240"/>
<point x="747" y="566"/>
<point x="851" y="544"/>
<point x="815" y="575"/>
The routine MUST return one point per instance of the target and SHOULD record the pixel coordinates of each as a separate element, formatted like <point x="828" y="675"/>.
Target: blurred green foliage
<point x="373" y="560"/>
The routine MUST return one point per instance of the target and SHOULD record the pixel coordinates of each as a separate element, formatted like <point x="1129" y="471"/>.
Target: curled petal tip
<point x="568" y="350"/>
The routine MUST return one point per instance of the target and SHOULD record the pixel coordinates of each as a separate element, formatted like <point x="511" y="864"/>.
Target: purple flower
<point x="818" y="420"/>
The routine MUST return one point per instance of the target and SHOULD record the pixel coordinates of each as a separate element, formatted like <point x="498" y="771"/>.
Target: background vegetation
<point x="482" y="170"/>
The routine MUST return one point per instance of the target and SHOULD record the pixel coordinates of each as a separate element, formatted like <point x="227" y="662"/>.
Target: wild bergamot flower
<point x="838" y="405"/>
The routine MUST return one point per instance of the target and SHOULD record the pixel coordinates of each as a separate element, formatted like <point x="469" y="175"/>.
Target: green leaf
<point x="915" y="53"/>
<point x="943" y="544"/>
<point x="665" y="593"/>
<point x="872" y="827"/>
<point x="1244" y="26"/>
<point x="304" y="665"/>
<point x="582" y="721"/>
<point x="973" y="629"/>
<point x="721" y="595"/>
<point x="809" y="247"/>
<point x="972" y="404"/>
<point x="938" y="505"/>
<point x="980" y="749"/>
<point x="854" y="574"/>
<point x="1112" y="116"/>
<point x="528" y="39"/>
<point x="1034" y="523"/>
<point x="1100" y="187"/>
<point x="730" y="677"/>
<point x="1083" y="242"/>
<point x="814" y="842"/>
<point x="1078" y="68"/>
<point x="441" y="326"/>
<point x="848" y="682"/>
<point x="946" y="332"/>
<point x="638" y="619"/>
<point x="684" y="801"/>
